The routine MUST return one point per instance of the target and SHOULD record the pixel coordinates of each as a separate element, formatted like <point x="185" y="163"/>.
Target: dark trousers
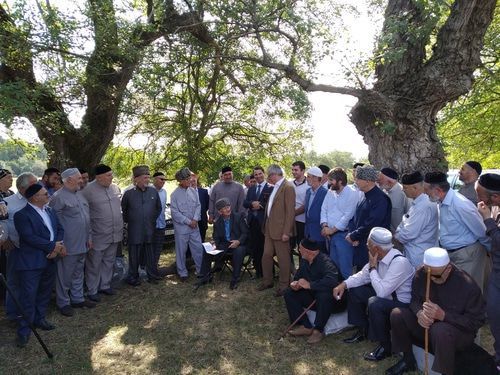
<point x="257" y="240"/>
<point x="493" y="310"/>
<point x="237" y="255"/>
<point x="13" y="284"/>
<point x="363" y="299"/>
<point x="297" y="301"/>
<point x="158" y="239"/>
<point x="134" y="256"/>
<point x="360" y="257"/>
<point x="203" y="230"/>
<point x="35" y="290"/>
<point x="444" y="339"/>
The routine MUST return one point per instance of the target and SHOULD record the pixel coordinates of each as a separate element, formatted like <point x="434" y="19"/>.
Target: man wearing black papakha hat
<point x="468" y="174"/>
<point x="488" y="193"/>
<point x="106" y="224"/>
<point x="40" y="242"/>
<point x="461" y="229"/>
<point x="314" y="280"/>
<point x="388" y="181"/>
<point x="418" y="230"/>
<point x="141" y="206"/>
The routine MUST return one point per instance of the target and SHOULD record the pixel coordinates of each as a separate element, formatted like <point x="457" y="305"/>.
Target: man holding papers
<point x="230" y="235"/>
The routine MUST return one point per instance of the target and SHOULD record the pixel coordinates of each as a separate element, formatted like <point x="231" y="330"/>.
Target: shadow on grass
<point x="171" y="329"/>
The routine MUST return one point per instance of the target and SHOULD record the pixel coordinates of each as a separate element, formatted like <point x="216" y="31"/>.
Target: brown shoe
<point x="262" y="287"/>
<point x="316" y="336"/>
<point x="300" y="331"/>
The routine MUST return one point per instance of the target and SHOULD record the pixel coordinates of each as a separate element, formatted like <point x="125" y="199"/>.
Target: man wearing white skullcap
<point x="315" y="196"/>
<point x="383" y="284"/>
<point x="454" y="313"/>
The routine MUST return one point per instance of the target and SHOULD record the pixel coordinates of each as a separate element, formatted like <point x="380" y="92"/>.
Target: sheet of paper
<point x="210" y="249"/>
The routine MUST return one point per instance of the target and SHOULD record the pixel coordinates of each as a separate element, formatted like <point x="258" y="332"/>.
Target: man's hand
<point x="304" y="284"/>
<point x="327" y="232"/>
<point x="294" y="285"/>
<point x="373" y="259"/>
<point x="433" y="311"/>
<point x="339" y="290"/>
<point x="7" y="245"/>
<point x="353" y="243"/>
<point x="193" y="224"/>
<point x="285" y="238"/>
<point x="3" y="209"/>
<point x="484" y="210"/>
<point x="256" y="205"/>
<point x="233" y="244"/>
<point x="52" y="254"/>
<point x="424" y="320"/>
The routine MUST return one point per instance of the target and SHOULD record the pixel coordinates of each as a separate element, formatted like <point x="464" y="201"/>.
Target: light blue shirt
<point x="419" y="229"/>
<point x="311" y="197"/>
<point x="160" y="222"/>
<point x="338" y="209"/>
<point x="460" y="224"/>
<point x="227" y="229"/>
<point x="46" y="219"/>
<point x="15" y="202"/>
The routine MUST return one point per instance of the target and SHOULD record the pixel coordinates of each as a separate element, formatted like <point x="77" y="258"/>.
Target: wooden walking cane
<point x="296" y="320"/>
<point x="426" y="337"/>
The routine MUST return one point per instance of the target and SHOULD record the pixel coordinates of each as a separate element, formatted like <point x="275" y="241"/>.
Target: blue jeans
<point x="341" y="252"/>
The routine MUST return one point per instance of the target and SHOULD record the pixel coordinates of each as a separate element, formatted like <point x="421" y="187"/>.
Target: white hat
<point x="315" y="171"/>
<point x="436" y="257"/>
<point x="380" y="236"/>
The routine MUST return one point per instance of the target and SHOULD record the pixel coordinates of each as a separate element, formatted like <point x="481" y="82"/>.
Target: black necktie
<point x="258" y="191"/>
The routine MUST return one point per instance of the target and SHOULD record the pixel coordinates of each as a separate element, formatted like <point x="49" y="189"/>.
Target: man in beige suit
<point x="278" y="228"/>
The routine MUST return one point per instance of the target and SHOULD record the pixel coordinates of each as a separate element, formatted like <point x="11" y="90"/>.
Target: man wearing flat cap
<point x="488" y="192"/>
<point x="5" y="183"/>
<point x="372" y="211"/>
<point x="72" y="210"/>
<point x="383" y="284"/>
<point x="454" y="313"/>
<point x="186" y="213"/>
<point x="106" y="223"/>
<point x="461" y="228"/>
<point x="419" y="228"/>
<point x="314" y="280"/>
<point x="388" y="181"/>
<point x="230" y="235"/>
<point x="40" y="243"/>
<point x="469" y="174"/>
<point x="226" y="188"/>
<point x="141" y="206"/>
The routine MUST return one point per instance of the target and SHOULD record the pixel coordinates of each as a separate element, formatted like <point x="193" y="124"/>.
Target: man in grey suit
<point x="106" y="224"/>
<point x="186" y="212"/>
<point x="72" y="210"/>
<point x="141" y="206"/>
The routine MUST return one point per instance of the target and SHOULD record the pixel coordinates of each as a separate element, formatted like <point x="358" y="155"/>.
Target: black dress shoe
<point x="84" y="303"/>
<point x="108" y="292"/>
<point x="378" y="354"/>
<point x="44" y="325"/>
<point x="233" y="284"/>
<point x="94" y="297"/>
<point x="22" y="340"/>
<point x="133" y="282"/>
<point x="400" y="368"/>
<point x="357" y="337"/>
<point x="67" y="310"/>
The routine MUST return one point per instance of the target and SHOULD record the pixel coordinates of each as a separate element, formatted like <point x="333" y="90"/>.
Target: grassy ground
<point x="170" y="329"/>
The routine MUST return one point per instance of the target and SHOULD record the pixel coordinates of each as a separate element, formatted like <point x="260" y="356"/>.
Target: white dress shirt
<point x="392" y="274"/>
<point x="338" y="209"/>
<point x="273" y="194"/>
<point x="46" y="219"/>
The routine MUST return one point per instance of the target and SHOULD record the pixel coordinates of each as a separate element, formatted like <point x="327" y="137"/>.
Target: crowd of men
<point x="361" y="246"/>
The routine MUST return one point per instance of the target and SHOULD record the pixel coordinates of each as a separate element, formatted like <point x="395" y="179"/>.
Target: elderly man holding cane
<point x="313" y="281"/>
<point x="454" y="313"/>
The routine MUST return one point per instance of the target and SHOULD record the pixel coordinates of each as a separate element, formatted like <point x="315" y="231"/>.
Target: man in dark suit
<point x="204" y="199"/>
<point x="40" y="242"/>
<point x="255" y="202"/>
<point x="230" y="236"/>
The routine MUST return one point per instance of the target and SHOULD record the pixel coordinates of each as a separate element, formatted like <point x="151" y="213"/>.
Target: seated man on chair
<point x="230" y="235"/>
<point x="383" y="284"/>
<point x="453" y="315"/>
<point x="314" y="280"/>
